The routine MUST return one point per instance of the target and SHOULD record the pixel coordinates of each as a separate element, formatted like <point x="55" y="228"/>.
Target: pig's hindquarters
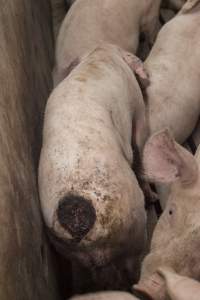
<point x="87" y="154"/>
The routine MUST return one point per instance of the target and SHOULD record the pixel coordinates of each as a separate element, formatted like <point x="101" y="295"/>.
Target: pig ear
<point x="137" y="67"/>
<point x="188" y="6"/>
<point x="165" y="161"/>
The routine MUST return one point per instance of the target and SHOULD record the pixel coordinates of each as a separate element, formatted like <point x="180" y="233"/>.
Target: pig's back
<point x="89" y="22"/>
<point x="85" y="163"/>
<point x="87" y="139"/>
<point x="84" y="153"/>
<point x="174" y="70"/>
<point x="98" y="100"/>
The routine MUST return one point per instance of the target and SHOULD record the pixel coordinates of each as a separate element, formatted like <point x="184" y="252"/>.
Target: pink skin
<point x="167" y="162"/>
<point x="179" y="287"/>
<point x="91" y="22"/>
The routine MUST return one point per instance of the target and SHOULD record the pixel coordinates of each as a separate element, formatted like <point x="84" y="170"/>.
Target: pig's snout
<point x="76" y="215"/>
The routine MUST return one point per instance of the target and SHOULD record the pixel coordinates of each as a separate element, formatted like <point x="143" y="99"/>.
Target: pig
<point x="180" y="287"/>
<point x="92" y="203"/>
<point x="176" y="238"/>
<point x="106" y="296"/>
<point x="90" y="22"/>
<point x="173" y="95"/>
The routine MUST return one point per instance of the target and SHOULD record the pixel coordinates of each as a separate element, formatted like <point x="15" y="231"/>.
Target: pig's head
<point x="176" y="239"/>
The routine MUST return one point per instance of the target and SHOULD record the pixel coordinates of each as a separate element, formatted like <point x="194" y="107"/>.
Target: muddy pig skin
<point x="106" y="296"/>
<point x="176" y="238"/>
<point x="90" y="22"/>
<point x="180" y="287"/>
<point x="174" y="69"/>
<point x="90" y="197"/>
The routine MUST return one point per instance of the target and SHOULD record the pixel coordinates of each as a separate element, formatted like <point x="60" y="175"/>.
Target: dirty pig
<point x="91" y="201"/>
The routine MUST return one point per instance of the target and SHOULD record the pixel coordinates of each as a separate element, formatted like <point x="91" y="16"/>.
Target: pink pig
<point x="176" y="238"/>
<point x="91" y="22"/>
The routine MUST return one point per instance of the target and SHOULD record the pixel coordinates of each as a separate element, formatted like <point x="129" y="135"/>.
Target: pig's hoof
<point x="76" y="215"/>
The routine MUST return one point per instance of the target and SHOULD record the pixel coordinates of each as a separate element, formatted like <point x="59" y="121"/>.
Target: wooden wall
<point x="26" y="55"/>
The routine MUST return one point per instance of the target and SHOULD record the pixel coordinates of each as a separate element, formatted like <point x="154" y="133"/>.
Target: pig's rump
<point x="86" y="160"/>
